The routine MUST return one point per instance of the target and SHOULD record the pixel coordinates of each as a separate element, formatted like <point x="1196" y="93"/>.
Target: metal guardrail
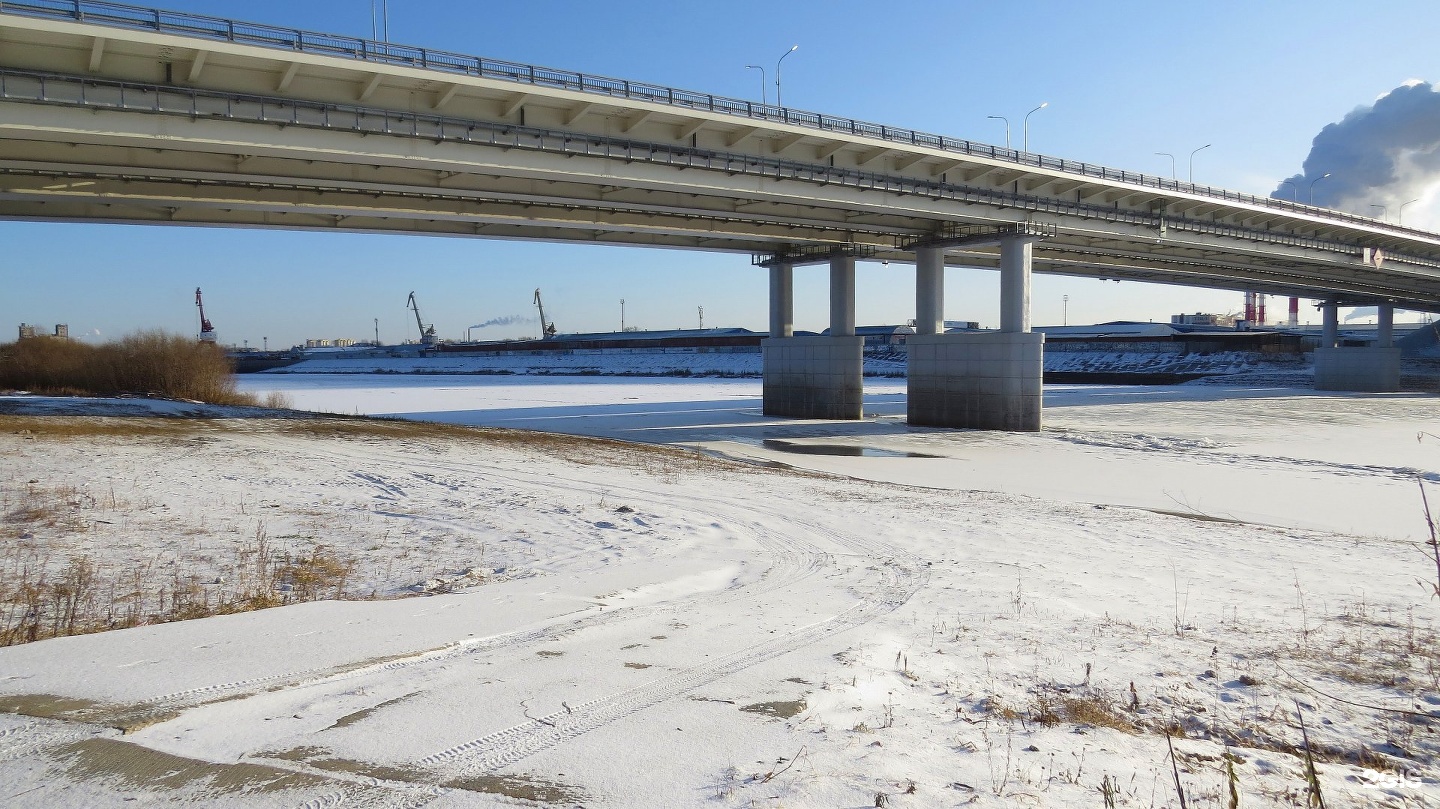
<point x="955" y="235"/>
<point x="100" y="12"/>
<point x="88" y="93"/>
<point x="812" y="254"/>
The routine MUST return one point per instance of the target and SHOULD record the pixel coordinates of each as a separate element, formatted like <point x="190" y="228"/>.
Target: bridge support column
<point x="1329" y="323"/>
<point x="1365" y="369"/>
<point x="816" y="377"/>
<point x="929" y="290"/>
<point x="782" y="300"/>
<point x="985" y="380"/>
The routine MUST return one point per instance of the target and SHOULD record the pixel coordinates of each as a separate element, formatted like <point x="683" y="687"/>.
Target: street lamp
<point x="1294" y="189"/>
<point x="1192" y="162"/>
<point x="1312" y="186"/>
<point x="1400" y="217"/>
<point x="1026" y="127"/>
<point x="1065" y="310"/>
<point x="622" y="315"/>
<point x="384" y="26"/>
<point x="1007" y="127"/>
<point x="764" y="88"/>
<point x="1383" y="212"/>
<point x="793" y="48"/>
<point x="1172" y="162"/>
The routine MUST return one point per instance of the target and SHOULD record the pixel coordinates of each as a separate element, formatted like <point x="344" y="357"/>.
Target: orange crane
<point x="207" y="331"/>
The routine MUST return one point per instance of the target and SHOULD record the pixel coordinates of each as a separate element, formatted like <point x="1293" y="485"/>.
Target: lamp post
<point x="1384" y="213"/>
<point x="1400" y="217"/>
<point x="622" y="315"/>
<point x="1312" y="186"/>
<point x="793" y="48"/>
<point x="1026" y="127"/>
<point x="384" y="25"/>
<point x="764" y="87"/>
<point x="1007" y="127"/>
<point x="1172" y="162"/>
<point x="1192" y="162"/>
<point x="1065" y="310"/>
<point x="1294" y="189"/>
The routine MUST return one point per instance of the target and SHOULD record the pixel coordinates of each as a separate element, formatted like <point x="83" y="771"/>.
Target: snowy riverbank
<point x="853" y="611"/>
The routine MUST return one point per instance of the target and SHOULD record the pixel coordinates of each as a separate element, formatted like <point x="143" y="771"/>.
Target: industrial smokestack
<point x="1385" y="154"/>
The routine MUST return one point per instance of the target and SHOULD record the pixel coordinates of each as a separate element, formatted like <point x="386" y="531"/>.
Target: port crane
<point x="207" y="331"/>
<point x="547" y="329"/>
<point x="427" y="333"/>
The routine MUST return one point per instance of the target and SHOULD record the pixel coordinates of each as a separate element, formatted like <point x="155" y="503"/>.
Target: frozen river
<point x="1274" y="456"/>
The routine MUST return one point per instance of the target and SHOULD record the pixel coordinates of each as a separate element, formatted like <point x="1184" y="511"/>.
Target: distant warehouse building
<point x="881" y="335"/>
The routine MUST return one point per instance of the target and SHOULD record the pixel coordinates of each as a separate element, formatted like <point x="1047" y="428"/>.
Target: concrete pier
<point x="981" y="380"/>
<point x="814" y="377"/>
<point x="984" y="380"/>
<point x="1361" y="369"/>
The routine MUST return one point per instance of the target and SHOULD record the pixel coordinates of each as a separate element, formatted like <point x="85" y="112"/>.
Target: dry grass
<point x="1049" y="707"/>
<point x="62" y="427"/>
<point x="149" y="362"/>
<point x="44" y="597"/>
<point x="579" y="450"/>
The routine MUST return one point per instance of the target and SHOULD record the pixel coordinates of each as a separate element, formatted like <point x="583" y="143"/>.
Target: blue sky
<point x="1123" y="80"/>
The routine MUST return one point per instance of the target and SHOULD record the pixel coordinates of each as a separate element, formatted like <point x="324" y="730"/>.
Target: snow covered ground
<point x="801" y="614"/>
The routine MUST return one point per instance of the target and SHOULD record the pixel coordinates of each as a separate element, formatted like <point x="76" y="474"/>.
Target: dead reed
<point x="147" y="362"/>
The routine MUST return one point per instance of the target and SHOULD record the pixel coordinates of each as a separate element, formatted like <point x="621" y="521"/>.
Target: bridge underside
<point x="78" y="149"/>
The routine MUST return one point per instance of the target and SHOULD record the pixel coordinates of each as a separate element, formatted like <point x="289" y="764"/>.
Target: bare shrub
<point x="322" y="574"/>
<point x="147" y="362"/>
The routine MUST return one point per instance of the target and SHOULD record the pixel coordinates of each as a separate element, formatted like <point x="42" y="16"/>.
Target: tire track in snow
<point x="515" y="743"/>
<point x="40" y="735"/>
<point x="791" y="562"/>
<point x="899" y="581"/>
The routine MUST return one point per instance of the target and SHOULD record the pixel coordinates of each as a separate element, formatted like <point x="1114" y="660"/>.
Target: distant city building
<point x="341" y="342"/>
<point x="1203" y="319"/>
<point x="28" y="331"/>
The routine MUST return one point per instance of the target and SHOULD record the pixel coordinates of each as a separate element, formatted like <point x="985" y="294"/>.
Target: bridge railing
<point x="120" y="15"/>
<point x="194" y="103"/>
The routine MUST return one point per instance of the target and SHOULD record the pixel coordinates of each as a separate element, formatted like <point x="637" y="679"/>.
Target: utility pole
<point x="622" y="314"/>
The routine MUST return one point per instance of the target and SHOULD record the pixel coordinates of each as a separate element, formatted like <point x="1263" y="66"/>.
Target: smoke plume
<point x="1385" y="154"/>
<point x="509" y="320"/>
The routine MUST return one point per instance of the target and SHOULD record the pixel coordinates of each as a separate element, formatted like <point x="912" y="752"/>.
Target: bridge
<point x="118" y="113"/>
